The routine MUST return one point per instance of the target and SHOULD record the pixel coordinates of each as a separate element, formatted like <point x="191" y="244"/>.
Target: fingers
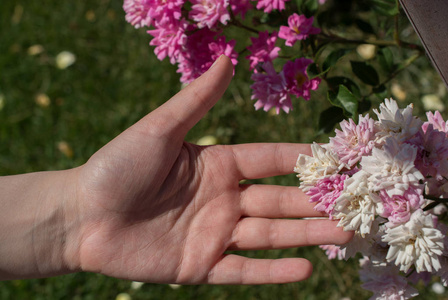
<point x="265" y="160"/>
<point x="271" y="201"/>
<point x="261" y="233"/>
<point x="187" y="107"/>
<point x="233" y="269"/>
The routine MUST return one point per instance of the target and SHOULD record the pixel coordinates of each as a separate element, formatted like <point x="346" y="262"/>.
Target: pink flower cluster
<point x="383" y="180"/>
<point x="191" y="35"/>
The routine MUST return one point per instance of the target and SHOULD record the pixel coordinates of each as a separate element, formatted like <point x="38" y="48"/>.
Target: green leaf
<point x="385" y="7"/>
<point x="311" y="7"/>
<point x="364" y="106"/>
<point x="335" y="82"/>
<point x="365" y="72"/>
<point x="380" y="91"/>
<point x="329" y="118"/>
<point x="386" y="60"/>
<point x="364" y="26"/>
<point x="333" y="58"/>
<point x="345" y="100"/>
<point x="313" y="71"/>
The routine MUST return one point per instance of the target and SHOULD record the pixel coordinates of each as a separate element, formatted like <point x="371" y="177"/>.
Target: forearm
<point x="38" y="225"/>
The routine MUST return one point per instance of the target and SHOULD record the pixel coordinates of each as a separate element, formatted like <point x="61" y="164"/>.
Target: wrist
<point x="39" y="225"/>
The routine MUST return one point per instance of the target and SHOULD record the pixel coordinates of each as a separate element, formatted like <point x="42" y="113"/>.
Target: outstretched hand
<point x="157" y="209"/>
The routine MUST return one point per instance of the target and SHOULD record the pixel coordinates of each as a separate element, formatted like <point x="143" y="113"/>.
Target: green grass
<point x="115" y="81"/>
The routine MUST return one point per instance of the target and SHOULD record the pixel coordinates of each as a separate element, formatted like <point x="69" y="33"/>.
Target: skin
<point x="150" y="207"/>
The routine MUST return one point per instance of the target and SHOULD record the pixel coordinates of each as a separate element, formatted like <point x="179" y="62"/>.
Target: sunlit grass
<point x="56" y="118"/>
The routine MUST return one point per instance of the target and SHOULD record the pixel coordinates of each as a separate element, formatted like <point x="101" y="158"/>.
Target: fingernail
<point x="216" y="61"/>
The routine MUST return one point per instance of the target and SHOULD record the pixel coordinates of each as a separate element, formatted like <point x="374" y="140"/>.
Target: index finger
<point x="262" y="160"/>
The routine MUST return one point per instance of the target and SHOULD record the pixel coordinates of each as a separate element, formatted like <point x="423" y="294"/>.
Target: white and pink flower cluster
<point x="191" y="34"/>
<point x="387" y="181"/>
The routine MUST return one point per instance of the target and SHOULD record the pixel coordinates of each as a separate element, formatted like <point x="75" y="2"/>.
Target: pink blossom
<point x="333" y="251"/>
<point x="163" y="11"/>
<point x="398" y="208"/>
<point x="384" y="281"/>
<point x="201" y="49"/>
<point x="325" y="193"/>
<point x="169" y="40"/>
<point x="437" y="122"/>
<point x="297" y="79"/>
<point x="263" y="49"/>
<point x="270" y="90"/>
<point x="269" y="5"/>
<point x="240" y="7"/>
<point x="322" y="1"/>
<point x="354" y="141"/>
<point x="137" y="12"/>
<point x="432" y="152"/>
<point x="300" y="27"/>
<point x="207" y="12"/>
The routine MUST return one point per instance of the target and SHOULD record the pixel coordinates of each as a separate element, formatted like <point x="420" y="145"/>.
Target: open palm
<point x="158" y="209"/>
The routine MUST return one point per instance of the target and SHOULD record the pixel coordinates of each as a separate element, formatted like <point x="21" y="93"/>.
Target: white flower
<point x="65" y="59"/>
<point x="322" y="164"/>
<point x="416" y="242"/>
<point x="357" y="206"/>
<point x="369" y="245"/>
<point x="392" y="168"/>
<point x="395" y="122"/>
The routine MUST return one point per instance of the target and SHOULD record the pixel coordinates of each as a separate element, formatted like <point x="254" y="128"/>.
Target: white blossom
<point x="392" y="168"/>
<point x="416" y="242"/>
<point x="357" y="206"/>
<point x="394" y="122"/>
<point x="322" y="164"/>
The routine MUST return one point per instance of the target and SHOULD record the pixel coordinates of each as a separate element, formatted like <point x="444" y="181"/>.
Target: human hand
<point x="154" y="208"/>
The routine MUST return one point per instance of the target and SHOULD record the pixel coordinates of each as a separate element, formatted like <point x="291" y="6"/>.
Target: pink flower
<point x="240" y="7"/>
<point x="297" y="80"/>
<point x="300" y="27"/>
<point x="384" y="281"/>
<point x="269" y="5"/>
<point x="270" y="90"/>
<point x="263" y="49"/>
<point x="207" y="12"/>
<point x="437" y="122"/>
<point x="432" y="152"/>
<point x="333" y="251"/>
<point x="201" y="49"/>
<point x="398" y="208"/>
<point x="137" y="12"/>
<point x="169" y="40"/>
<point x="354" y="141"/>
<point x="163" y="11"/>
<point x="325" y="193"/>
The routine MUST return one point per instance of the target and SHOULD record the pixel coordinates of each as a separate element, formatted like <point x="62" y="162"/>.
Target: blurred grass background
<point x="53" y="118"/>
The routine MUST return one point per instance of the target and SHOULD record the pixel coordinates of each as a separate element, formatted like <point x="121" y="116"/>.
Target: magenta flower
<point x="201" y="49"/>
<point x="398" y="208"/>
<point x="437" y="122"/>
<point x="325" y="193"/>
<point x="137" y="12"/>
<point x="240" y="7"/>
<point x="300" y="27"/>
<point x="208" y="12"/>
<point x="162" y="11"/>
<point x="270" y="90"/>
<point x="354" y="141"/>
<point x="263" y="49"/>
<point x="269" y="5"/>
<point x="297" y="79"/>
<point x="169" y="40"/>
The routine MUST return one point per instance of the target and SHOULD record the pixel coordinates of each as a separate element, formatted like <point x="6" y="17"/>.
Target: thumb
<point x="179" y="114"/>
